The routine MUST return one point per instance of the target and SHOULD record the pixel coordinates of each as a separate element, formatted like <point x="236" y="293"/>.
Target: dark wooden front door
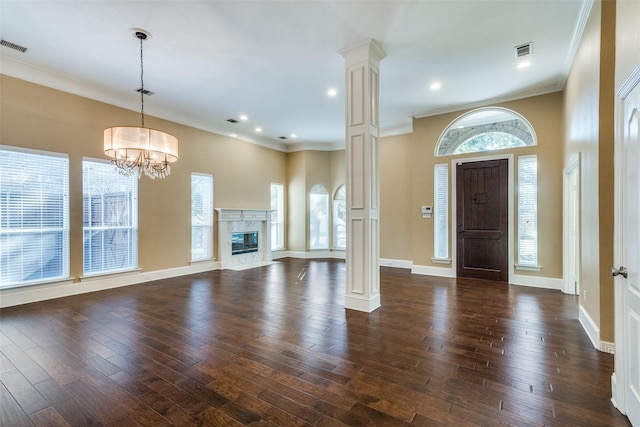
<point x="482" y="220"/>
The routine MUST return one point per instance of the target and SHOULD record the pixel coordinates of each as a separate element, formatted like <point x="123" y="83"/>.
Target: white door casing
<point x="626" y="378"/>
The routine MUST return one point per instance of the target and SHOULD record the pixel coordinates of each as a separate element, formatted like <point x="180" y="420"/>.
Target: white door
<point x="628" y="288"/>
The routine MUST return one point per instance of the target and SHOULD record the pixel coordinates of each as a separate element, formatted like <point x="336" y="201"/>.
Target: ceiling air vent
<point x="283" y="137"/>
<point x="232" y="120"/>
<point x="13" y="46"/>
<point x="144" y="91"/>
<point x="523" y="50"/>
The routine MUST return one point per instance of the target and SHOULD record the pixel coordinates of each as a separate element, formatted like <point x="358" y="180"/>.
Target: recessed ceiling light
<point x="244" y="118"/>
<point x="294" y="136"/>
<point x="258" y="129"/>
<point x="435" y="86"/>
<point x="524" y="64"/>
<point x="332" y="92"/>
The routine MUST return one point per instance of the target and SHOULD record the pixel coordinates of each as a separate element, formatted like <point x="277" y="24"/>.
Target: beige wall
<point x="545" y="115"/>
<point x="40" y="118"/>
<point x="395" y="192"/>
<point x="588" y="107"/>
<point x="304" y="170"/>
<point x="296" y="202"/>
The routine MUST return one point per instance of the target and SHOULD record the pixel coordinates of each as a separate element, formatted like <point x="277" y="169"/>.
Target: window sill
<point x="441" y="260"/>
<point x="528" y="267"/>
<point x="99" y="276"/>
<point x="61" y="281"/>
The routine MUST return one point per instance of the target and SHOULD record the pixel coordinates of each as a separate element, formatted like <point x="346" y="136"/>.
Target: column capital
<point x="366" y="51"/>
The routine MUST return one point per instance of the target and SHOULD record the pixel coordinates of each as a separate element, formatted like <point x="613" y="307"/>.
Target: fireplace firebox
<point x="243" y="243"/>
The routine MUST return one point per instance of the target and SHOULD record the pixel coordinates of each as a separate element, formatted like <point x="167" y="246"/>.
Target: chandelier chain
<point x="141" y="82"/>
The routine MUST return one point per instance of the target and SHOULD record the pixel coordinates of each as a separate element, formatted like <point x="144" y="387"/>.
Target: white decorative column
<point x="363" y="185"/>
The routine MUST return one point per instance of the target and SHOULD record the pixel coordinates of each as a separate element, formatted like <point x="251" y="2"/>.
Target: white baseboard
<point x="589" y="326"/>
<point x="433" y="271"/>
<point x="312" y="254"/>
<point x="607" y="347"/>
<point x="362" y="304"/>
<point x="538" y="282"/>
<point x="397" y="263"/>
<point x="46" y="291"/>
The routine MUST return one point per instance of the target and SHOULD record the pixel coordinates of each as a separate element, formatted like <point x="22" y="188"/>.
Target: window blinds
<point x="201" y="216"/>
<point x="528" y="210"/>
<point x="110" y="219"/>
<point x="440" y="211"/>
<point x="34" y="216"/>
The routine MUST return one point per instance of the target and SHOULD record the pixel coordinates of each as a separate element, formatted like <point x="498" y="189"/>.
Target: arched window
<point x="340" y="218"/>
<point x="485" y="129"/>
<point x="319" y="217"/>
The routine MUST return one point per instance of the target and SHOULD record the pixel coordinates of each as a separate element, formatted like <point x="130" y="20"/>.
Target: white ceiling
<point x="208" y="61"/>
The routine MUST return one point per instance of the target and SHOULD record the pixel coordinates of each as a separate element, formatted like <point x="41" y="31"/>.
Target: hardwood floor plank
<point x="71" y="410"/>
<point x="48" y="417"/>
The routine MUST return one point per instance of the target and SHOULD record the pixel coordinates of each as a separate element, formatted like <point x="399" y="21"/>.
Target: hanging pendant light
<point x="137" y="150"/>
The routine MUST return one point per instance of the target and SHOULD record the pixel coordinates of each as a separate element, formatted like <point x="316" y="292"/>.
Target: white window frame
<point x="339" y="199"/>
<point x="441" y="213"/>
<point x="527" y="188"/>
<point x="277" y="216"/>
<point x="202" y="224"/>
<point x="128" y="228"/>
<point x="35" y="250"/>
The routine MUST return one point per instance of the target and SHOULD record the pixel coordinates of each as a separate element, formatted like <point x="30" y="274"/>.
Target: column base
<point x="362" y="304"/>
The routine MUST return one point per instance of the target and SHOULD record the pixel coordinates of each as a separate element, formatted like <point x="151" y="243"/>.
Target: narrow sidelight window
<point x="201" y="216"/>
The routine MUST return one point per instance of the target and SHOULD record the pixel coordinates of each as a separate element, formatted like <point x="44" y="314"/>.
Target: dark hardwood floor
<point x="275" y="346"/>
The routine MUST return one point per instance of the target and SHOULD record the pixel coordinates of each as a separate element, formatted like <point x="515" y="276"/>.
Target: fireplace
<point x="243" y="243"/>
<point x="243" y="238"/>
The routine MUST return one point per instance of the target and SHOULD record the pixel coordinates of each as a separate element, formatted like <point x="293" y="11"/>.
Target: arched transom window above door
<point x="485" y="129"/>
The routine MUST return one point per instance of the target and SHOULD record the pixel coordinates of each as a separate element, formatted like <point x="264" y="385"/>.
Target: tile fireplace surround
<point x="232" y="221"/>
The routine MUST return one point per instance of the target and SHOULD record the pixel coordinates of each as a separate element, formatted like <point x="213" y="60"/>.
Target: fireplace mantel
<point x="225" y="214"/>
<point x="234" y="221"/>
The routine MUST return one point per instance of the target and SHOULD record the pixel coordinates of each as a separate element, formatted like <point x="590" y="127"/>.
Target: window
<point x="201" y="217"/>
<point x="277" y="216"/>
<point x="319" y="217"/>
<point x="485" y="129"/>
<point x="34" y="216"/>
<point x="340" y="218"/>
<point x="440" y="212"/>
<point x="528" y="211"/>
<point x="109" y="219"/>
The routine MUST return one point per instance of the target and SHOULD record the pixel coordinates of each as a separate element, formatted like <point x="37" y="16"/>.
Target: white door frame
<point x="621" y="365"/>
<point x="571" y="221"/>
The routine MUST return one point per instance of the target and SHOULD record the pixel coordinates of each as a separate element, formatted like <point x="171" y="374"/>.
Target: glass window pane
<point x="340" y="218"/>
<point x="201" y="216"/>
<point x="34" y="216"/>
<point x="440" y="211"/>
<point x="277" y="216"/>
<point x="319" y="217"/>
<point x="110" y="219"/>
<point x="528" y="210"/>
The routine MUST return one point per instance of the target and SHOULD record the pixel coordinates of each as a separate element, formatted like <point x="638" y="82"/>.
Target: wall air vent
<point x="144" y="92"/>
<point x="232" y="120"/>
<point x="523" y="50"/>
<point x="13" y="46"/>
